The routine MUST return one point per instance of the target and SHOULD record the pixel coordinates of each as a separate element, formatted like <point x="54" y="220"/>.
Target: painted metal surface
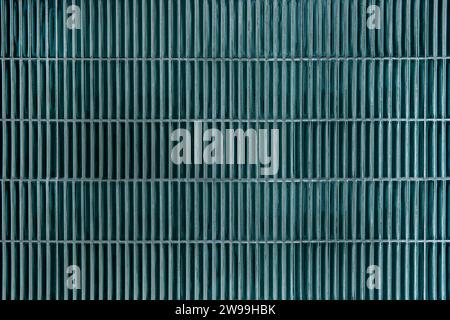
<point x="88" y="106"/>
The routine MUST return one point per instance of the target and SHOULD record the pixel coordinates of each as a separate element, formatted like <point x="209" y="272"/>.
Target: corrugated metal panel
<point x="87" y="180"/>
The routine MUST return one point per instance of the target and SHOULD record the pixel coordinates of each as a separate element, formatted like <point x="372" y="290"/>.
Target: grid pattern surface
<point x="86" y="175"/>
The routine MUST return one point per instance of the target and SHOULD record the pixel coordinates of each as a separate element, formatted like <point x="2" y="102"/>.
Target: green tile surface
<point x="363" y="117"/>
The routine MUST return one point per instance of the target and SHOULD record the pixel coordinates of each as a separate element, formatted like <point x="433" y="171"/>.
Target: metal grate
<point x="363" y="117"/>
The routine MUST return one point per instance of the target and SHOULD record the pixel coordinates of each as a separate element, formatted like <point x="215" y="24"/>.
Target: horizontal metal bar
<point x="248" y="242"/>
<point x="216" y="120"/>
<point x="228" y="180"/>
<point x="225" y="59"/>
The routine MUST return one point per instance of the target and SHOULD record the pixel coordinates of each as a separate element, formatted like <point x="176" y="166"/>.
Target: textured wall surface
<point x="363" y="117"/>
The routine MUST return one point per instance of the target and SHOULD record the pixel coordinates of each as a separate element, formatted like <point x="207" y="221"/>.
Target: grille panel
<point x="87" y="178"/>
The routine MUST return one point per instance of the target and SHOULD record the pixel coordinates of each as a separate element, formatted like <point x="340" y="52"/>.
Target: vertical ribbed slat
<point x="13" y="151"/>
<point x="445" y="158"/>
<point x="353" y="129"/>
<point x="257" y="198"/>
<point x="31" y="264"/>
<point x="48" y="156"/>
<point x="117" y="186"/>
<point x="292" y="157"/>
<point x="145" y="201"/>
<point x="153" y="21"/>
<point x="390" y="114"/>
<point x="434" y="152"/>
<point x="92" y="164"/>
<point x="335" y="159"/>
<point x="40" y="155"/>
<point x="110" y="127"/>
<point x="136" y="107"/>
<point x="408" y="204"/>
<point x="345" y="151"/>
<point x="4" y="184"/>
<point x="364" y="168"/>
<point x="58" y="215"/>
<point x="399" y="187"/>
<point x="169" y="270"/>
<point x="197" y="185"/>
<point x="22" y="157"/>
<point x="126" y="174"/>
<point x="65" y="156"/>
